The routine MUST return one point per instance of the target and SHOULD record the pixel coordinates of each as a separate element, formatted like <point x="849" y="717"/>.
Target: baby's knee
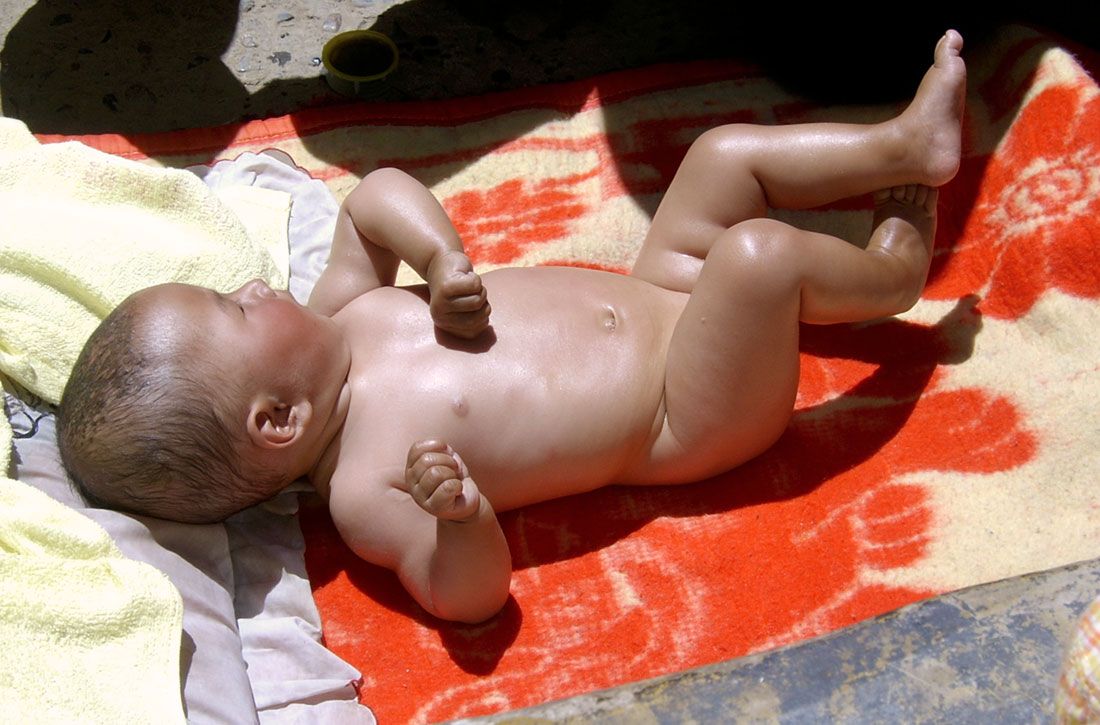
<point x="760" y="250"/>
<point x="721" y="140"/>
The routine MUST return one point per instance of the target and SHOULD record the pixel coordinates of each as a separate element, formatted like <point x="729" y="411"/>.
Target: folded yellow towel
<point x="89" y="636"/>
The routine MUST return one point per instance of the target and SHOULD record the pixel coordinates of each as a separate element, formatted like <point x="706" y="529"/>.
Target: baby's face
<point x="255" y="335"/>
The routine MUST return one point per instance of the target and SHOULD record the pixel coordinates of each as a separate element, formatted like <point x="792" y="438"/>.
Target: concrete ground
<point x="989" y="654"/>
<point x="985" y="655"/>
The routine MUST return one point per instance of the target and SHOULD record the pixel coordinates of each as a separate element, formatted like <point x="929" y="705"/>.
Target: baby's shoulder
<point x="382" y="314"/>
<point x="383" y="301"/>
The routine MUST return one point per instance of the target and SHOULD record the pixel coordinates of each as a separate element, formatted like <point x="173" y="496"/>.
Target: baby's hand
<point x="458" y="302"/>
<point x="439" y="482"/>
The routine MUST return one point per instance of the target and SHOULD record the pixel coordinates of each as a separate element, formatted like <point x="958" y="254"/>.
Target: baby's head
<point x="190" y="405"/>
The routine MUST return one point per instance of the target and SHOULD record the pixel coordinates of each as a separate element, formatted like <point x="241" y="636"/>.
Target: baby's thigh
<point x="732" y="369"/>
<point x="713" y="190"/>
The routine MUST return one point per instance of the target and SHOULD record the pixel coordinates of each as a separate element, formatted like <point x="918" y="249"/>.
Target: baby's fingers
<point x="424" y="446"/>
<point x="459" y="308"/>
<point x="437" y="479"/>
<point x="418" y="470"/>
<point x="465" y="303"/>
<point x="427" y="484"/>
<point x="462" y="284"/>
<point x="455" y="500"/>
<point x="444" y="496"/>
<point x="441" y="500"/>
<point x="467" y="325"/>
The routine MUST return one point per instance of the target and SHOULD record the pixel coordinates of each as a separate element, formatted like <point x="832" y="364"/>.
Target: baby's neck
<point x="324" y="463"/>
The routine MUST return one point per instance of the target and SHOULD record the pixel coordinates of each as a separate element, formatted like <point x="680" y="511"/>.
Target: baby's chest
<point x="521" y="426"/>
<point x="485" y="413"/>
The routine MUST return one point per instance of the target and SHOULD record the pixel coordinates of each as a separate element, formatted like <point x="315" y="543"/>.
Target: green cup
<point x="357" y="62"/>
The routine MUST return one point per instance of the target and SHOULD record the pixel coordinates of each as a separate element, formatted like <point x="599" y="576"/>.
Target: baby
<point x="419" y="413"/>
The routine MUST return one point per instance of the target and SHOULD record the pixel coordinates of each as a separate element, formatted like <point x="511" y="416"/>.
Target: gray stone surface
<point x="989" y="654"/>
<point x="120" y="66"/>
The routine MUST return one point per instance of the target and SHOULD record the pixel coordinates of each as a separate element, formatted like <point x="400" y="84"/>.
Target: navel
<point x="610" y="321"/>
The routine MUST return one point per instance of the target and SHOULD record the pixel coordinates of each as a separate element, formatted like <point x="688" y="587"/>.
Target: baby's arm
<point x="435" y="530"/>
<point x="390" y="217"/>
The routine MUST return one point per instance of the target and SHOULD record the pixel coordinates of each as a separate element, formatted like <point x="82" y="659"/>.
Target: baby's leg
<point x="732" y="369"/>
<point x="734" y="173"/>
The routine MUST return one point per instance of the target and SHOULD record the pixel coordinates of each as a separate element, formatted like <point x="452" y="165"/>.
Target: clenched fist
<point x="458" y="301"/>
<point x="439" y="481"/>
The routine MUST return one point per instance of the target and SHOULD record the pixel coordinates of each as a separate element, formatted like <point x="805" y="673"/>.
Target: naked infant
<point x="420" y="412"/>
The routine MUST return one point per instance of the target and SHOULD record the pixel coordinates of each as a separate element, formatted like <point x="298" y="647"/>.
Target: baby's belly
<point x="566" y="396"/>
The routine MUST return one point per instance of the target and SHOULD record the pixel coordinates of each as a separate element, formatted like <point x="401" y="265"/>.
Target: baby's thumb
<point x="467" y="503"/>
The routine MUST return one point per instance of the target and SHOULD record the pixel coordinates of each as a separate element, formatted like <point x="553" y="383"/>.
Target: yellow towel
<point x="89" y="636"/>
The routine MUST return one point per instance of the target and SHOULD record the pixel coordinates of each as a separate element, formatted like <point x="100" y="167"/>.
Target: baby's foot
<point x="933" y="120"/>
<point x="905" y="223"/>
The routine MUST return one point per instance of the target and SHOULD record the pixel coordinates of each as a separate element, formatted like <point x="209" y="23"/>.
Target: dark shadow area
<point x="116" y="67"/>
<point x="829" y="57"/>
<point x="119" y="67"/>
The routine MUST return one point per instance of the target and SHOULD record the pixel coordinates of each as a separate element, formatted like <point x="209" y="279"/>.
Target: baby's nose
<point x="257" y="288"/>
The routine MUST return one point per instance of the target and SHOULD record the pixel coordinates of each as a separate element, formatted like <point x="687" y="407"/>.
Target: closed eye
<point x="226" y="304"/>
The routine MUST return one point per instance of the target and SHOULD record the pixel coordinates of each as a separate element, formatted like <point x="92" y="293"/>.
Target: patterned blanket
<point x="955" y="445"/>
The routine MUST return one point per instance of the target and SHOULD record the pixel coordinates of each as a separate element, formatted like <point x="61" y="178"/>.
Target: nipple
<point x="460" y="407"/>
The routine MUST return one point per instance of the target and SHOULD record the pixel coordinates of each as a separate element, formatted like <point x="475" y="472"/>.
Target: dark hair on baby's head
<point x="142" y="431"/>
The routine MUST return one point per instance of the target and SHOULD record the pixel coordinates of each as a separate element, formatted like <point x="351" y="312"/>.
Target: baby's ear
<point x="275" y="424"/>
